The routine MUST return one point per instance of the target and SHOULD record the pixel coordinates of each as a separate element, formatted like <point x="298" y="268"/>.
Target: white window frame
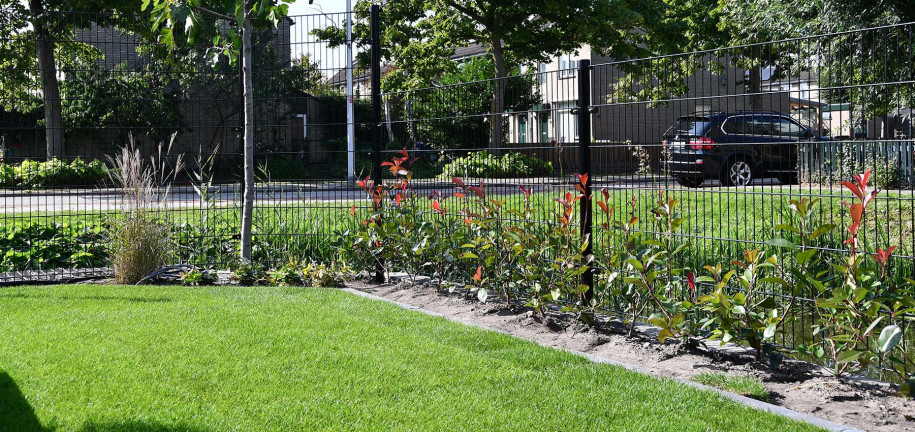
<point x="567" y="65"/>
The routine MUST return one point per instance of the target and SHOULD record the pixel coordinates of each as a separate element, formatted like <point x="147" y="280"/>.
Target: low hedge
<point x="485" y="165"/>
<point x="54" y="173"/>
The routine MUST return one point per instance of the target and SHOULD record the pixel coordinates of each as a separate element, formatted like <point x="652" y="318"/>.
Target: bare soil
<point x="799" y="386"/>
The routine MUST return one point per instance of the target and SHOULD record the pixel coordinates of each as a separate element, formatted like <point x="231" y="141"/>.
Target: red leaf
<point x="457" y="181"/>
<point x="691" y="280"/>
<point x="478" y="276"/>
<point x="352" y="210"/>
<point x="603" y="206"/>
<point x="582" y="179"/>
<point x="856" y="211"/>
<point x="387" y="164"/>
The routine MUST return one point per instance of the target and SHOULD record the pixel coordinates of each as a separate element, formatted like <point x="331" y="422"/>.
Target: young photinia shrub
<point x="861" y="310"/>
<point x="495" y="246"/>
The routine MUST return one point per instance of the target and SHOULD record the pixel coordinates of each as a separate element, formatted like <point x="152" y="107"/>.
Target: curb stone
<point x="753" y="403"/>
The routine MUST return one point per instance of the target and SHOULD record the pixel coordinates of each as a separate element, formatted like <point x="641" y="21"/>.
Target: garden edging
<point x="775" y="409"/>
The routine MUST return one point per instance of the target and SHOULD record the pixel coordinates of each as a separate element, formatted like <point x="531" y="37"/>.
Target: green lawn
<point x="169" y="359"/>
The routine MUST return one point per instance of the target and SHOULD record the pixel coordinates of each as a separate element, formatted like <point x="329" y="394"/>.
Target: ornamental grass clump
<point x="140" y="241"/>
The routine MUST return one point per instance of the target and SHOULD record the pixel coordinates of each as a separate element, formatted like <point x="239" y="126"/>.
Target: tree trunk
<point x="50" y="88"/>
<point x="755" y="84"/>
<point x="498" y="98"/>
<point x="247" y="213"/>
<point x="387" y="119"/>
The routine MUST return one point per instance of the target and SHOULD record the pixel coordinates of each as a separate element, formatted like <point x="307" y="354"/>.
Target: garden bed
<point x="802" y="387"/>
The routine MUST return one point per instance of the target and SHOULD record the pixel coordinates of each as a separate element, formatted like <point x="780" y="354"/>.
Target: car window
<point x="735" y="125"/>
<point x="760" y="125"/>
<point x="789" y="128"/>
<point x="689" y="126"/>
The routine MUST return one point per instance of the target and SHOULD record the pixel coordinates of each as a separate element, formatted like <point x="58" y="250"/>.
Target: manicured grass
<point x="742" y="385"/>
<point x="103" y="358"/>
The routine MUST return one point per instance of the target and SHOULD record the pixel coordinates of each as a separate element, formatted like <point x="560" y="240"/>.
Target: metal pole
<point x="350" y="99"/>
<point x="378" y="137"/>
<point x="584" y="167"/>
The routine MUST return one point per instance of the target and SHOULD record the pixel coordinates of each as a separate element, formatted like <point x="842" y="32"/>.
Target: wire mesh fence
<point x="741" y="137"/>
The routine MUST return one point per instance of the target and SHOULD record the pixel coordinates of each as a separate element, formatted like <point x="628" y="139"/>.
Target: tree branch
<point x="213" y="13"/>
<point x="468" y="11"/>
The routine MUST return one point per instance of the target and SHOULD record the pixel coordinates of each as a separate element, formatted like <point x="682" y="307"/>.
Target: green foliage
<point x="484" y="165"/>
<point x="53" y="173"/>
<point x="199" y="277"/>
<point x="38" y="246"/>
<point x="742" y="385"/>
<point x="290" y="274"/>
<point x="454" y="112"/>
<point x="247" y="273"/>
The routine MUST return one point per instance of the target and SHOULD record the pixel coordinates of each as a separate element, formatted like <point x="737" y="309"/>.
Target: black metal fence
<point x="734" y="134"/>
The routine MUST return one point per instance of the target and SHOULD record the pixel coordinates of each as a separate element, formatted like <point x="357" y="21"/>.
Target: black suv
<point x="734" y="147"/>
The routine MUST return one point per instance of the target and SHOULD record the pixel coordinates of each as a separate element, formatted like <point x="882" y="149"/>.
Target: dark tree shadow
<point x="16" y="415"/>
<point x="137" y="426"/>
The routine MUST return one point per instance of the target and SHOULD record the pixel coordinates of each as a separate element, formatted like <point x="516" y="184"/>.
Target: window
<point x="566" y="124"/>
<point x="734" y="126"/>
<point x="541" y="73"/>
<point x="544" y="128"/>
<point x="787" y="128"/>
<point x="522" y="129"/>
<point x="567" y="65"/>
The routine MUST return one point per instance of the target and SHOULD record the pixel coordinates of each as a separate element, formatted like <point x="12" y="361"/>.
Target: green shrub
<point x="54" y="172"/>
<point x="7" y="175"/>
<point x="485" y="165"/>
<point x="198" y="277"/>
<point x="40" y="246"/>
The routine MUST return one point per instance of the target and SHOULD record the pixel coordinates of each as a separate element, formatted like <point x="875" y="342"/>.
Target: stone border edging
<point x="753" y="403"/>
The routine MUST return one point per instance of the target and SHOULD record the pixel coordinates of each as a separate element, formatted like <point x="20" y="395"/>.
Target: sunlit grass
<point x="104" y="358"/>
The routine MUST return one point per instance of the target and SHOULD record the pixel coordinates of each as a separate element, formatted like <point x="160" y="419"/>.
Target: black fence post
<point x="378" y="137"/>
<point x="584" y="168"/>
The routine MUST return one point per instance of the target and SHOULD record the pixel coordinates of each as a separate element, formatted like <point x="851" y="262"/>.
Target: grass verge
<point x="102" y="358"/>
<point x="742" y="385"/>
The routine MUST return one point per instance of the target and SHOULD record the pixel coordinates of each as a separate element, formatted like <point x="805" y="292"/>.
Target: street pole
<point x="350" y="99"/>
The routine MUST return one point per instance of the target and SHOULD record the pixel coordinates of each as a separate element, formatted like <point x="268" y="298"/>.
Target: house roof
<point x="469" y="51"/>
<point x="339" y="78"/>
<point x="460" y="53"/>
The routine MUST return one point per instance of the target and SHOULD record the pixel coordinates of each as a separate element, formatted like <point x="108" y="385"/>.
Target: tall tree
<point x="46" y="23"/>
<point x="420" y="36"/>
<point x="184" y="21"/>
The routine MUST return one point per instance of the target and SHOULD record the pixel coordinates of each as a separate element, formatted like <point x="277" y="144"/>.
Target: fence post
<point x="378" y="136"/>
<point x="584" y="167"/>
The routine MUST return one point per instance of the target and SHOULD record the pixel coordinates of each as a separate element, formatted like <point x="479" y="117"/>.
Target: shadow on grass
<point x="16" y="415"/>
<point x="15" y="412"/>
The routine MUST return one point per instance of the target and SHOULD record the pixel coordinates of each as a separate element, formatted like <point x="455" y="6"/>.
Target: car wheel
<point x="689" y="182"/>
<point x="737" y="172"/>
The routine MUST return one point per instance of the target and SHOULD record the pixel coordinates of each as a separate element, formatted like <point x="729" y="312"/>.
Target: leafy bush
<point x="41" y="246"/>
<point x="54" y="173"/>
<point x="198" y="277"/>
<point x="484" y="165"/>
<point x="486" y="247"/>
